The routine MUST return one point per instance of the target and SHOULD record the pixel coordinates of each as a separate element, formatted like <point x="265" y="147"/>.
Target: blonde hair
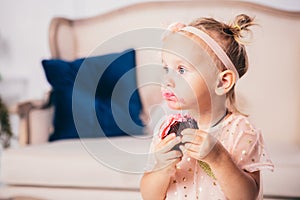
<point x="230" y="38"/>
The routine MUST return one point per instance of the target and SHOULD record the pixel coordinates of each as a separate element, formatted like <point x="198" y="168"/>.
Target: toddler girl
<point x="222" y="157"/>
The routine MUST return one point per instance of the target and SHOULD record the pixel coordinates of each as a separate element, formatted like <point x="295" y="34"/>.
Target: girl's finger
<point x="173" y="155"/>
<point x="190" y="131"/>
<point x="192" y="147"/>
<point x="182" y="149"/>
<point x="193" y="155"/>
<point x="166" y="140"/>
<point x="195" y="139"/>
<point x="168" y="146"/>
<point x="195" y="132"/>
<point x="188" y="152"/>
<point x="174" y="161"/>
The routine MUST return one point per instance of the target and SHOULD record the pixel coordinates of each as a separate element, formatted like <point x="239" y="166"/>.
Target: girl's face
<point x="189" y="74"/>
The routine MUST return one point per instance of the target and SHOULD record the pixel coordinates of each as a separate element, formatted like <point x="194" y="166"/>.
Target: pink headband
<point x="214" y="46"/>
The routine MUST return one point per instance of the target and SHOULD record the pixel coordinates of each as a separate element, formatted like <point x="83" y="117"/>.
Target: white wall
<point x="24" y="38"/>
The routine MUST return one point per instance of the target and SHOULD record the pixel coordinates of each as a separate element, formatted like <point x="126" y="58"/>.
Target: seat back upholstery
<point x="269" y="92"/>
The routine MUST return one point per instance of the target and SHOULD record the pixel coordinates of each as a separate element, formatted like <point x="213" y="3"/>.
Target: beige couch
<point x="69" y="169"/>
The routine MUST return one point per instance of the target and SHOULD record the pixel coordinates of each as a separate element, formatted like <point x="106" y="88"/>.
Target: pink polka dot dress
<point x="245" y="144"/>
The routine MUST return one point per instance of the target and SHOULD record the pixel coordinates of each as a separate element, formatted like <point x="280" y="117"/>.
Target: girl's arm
<point x="235" y="182"/>
<point x="154" y="184"/>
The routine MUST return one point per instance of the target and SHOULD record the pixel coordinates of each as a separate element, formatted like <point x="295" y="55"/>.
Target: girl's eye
<point x="166" y="69"/>
<point x="181" y="69"/>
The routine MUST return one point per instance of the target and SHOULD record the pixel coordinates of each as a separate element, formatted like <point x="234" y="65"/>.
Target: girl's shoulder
<point x="240" y="122"/>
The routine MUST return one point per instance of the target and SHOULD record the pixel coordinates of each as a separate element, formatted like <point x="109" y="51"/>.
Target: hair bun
<point x="242" y="22"/>
<point x="239" y="27"/>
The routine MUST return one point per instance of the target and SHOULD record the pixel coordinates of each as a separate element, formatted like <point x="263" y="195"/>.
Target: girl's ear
<point x="225" y="82"/>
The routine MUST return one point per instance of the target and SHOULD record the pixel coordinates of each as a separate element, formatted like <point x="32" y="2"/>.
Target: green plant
<point x="5" y="128"/>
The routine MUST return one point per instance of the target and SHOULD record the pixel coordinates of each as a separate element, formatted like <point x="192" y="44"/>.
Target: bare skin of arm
<point x="154" y="184"/>
<point x="235" y="182"/>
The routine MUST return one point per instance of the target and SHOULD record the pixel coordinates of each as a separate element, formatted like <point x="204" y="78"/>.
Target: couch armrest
<point x="35" y="123"/>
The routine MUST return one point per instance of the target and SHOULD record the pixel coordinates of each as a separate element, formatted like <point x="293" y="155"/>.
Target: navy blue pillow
<point x="117" y="70"/>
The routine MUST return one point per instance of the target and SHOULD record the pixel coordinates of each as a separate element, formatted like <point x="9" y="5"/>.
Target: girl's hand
<point x="165" y="157"/>
<point x="197" y="143"/>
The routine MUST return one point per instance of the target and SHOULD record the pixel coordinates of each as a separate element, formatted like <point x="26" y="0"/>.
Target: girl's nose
<point x="168" y="81"/>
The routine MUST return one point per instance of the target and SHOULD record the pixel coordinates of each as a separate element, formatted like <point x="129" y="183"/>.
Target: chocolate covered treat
<point x="179" y="126"/>
<point x="176" y="124"/>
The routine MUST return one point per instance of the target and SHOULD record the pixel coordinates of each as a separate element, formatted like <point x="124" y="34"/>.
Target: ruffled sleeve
<point x="249" y="149"/>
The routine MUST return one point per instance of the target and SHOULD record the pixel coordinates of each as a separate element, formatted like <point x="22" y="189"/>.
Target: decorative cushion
<point x="107" y="71"/>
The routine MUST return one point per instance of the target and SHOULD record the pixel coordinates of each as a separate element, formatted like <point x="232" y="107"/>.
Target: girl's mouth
<point x="169" y="96"/>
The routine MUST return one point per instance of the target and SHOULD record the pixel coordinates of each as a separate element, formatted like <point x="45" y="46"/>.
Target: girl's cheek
<point x="181" y="100"/>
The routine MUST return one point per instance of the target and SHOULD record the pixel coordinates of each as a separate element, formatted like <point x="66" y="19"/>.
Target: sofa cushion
<point x="39" y="193"/>
<point x="92" y="163"/>
<point x="116" y="162"/>
<point x="103" y="73"/>
<point x="285" y="179"/>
